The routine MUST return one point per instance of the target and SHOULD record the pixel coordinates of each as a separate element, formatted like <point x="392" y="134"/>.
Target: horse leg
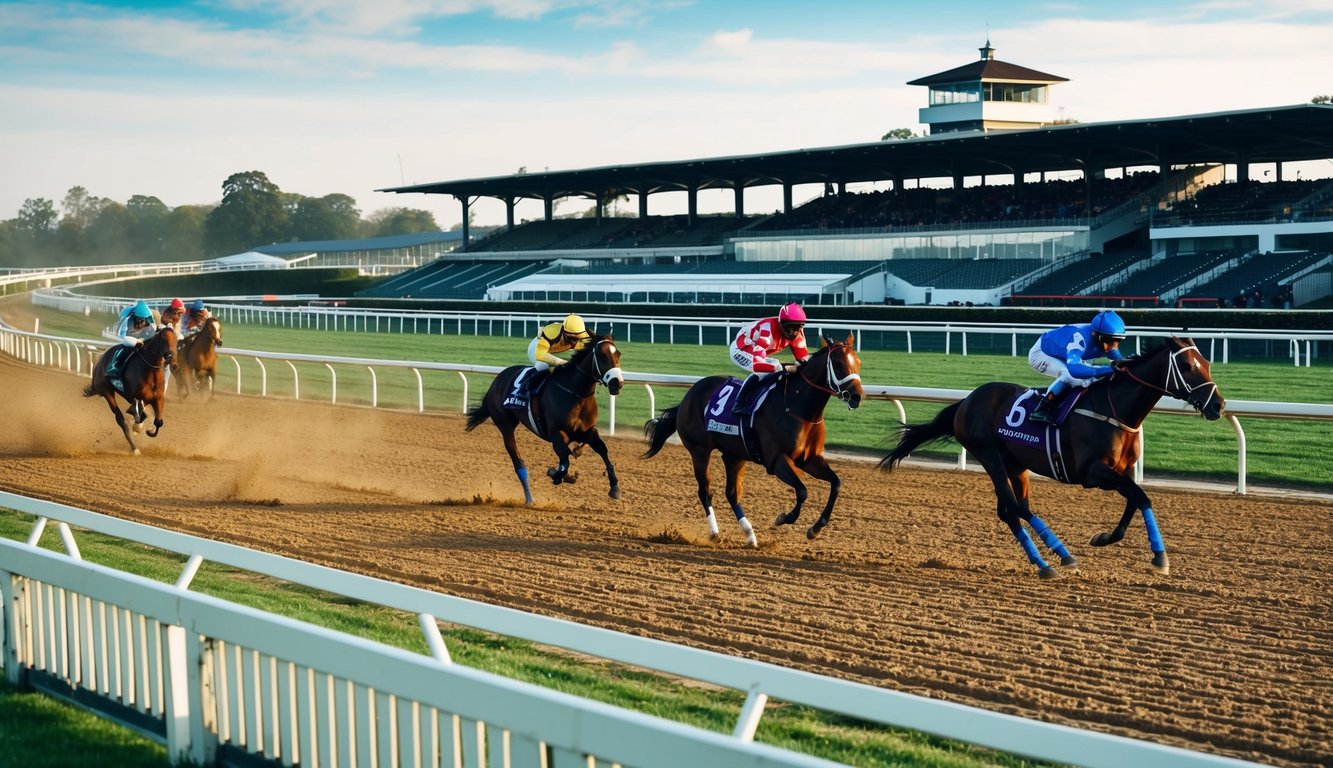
<point x="701" y="478"/>
<point x="786" y="472"/>
<point x="735" y="477"/>
<point x="520" y="469"/>
<point x="1019" y="482"/>
<point x="1102" y="476"/>
<point x="560" y="473"/>
<point x="120" y="419"/>
<point x="1010" y="509"/>
<point x="817" y="467"/>
<point x="594" y="441"/>
<point x="157" y="415"/>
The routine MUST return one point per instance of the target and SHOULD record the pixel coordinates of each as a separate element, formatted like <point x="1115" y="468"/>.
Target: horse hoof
<point x="1069" y="564"/>
<point x="753" y="541"/>
<point x="571" y="477"/>
<point x="615" y="493"/>
<point x="1161" y="564"/>
<point x="812" y="532"/>
<point x="136" y="451"/>
<point x="714" y="536"/>
<point x="1102" y="539"/>
<point x="1049" y="572"/>
<point x="784" y="519"/>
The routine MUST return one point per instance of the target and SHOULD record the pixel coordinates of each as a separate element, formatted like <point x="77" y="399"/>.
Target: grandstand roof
<point x="1277" y="134"/>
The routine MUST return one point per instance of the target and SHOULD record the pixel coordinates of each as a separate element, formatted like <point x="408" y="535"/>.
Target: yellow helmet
<point x="574" y="326"/>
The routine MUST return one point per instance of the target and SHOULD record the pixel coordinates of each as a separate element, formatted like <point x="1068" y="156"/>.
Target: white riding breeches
<point x="540" y="365"/>
<point x="1053" y="366"/>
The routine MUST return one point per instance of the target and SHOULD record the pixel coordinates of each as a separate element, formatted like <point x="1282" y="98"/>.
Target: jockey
<point x="757" y="343"/>
<point x="194" y="321"/>
<point x="1060" y="353"/>
<point x="569" y="334"/>
<point x="172" y="315"/>
<point x="136" y="324"/>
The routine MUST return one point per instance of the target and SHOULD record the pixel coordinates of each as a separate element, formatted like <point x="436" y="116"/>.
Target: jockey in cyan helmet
<point x="135" y="324"/>
<point x="194" y="320"/>
<point x="1060" y="354"/>
<point x="755" y="345"/>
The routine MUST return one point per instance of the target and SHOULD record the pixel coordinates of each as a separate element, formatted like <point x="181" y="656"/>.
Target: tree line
<point x="86" y="229"/>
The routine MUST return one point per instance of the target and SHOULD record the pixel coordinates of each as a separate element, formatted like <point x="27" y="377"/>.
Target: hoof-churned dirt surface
<point x="914" y="586"/>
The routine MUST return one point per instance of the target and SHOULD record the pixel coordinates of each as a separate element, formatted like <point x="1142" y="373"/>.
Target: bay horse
<point x="561" y="412"/>
<point x="1095" y="447"/>
<point x="786" y="428"/>
<point x="143" y="380"/>
<point x="199" y="357"/>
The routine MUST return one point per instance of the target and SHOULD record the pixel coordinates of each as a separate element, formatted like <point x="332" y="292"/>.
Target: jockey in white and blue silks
<point x="1062" y="353"/>
<point x="136" y="324"/>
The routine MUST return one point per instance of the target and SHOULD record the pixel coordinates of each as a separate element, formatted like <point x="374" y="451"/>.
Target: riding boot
<point x="742" y="405"/>
<point x="1042" y="413"/>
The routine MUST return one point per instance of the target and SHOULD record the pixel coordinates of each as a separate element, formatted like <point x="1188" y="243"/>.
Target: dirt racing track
<point x="914" y="586"/>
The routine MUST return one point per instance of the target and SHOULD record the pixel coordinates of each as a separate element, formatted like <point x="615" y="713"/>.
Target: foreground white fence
<point x="218" y="681"/>
<point x="78" y="356"/>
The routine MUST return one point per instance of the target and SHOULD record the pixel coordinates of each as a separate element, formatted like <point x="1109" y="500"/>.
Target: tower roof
<point x="988" y="68"/>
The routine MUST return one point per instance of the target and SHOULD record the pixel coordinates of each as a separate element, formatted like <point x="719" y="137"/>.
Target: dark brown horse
<point x="199" y="357"/>
<point x="1095" y="447"/>
<point x="561" y="412"/>
<point x="786" y="431"/>
<point x="142" y="380"/>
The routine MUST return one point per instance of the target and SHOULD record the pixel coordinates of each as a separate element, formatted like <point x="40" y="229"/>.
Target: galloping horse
<point x="563" y="411"/>
<point x="143" y="380"/>
<point x="199" y="357"/>
<point x="786" y="431"/>
<point x="1095" y="447"/>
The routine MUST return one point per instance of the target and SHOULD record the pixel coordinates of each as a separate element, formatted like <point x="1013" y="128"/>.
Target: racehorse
<point x="786" y="431"/>
<point x="143" y="381"/>
<point x="199" y="357"/>
<point x="1095" y="447"/>
<point x="561" y="412"/>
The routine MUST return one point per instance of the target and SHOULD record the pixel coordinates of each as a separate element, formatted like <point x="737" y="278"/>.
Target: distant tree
<point x="898" y="134"/>
<point x="401" y="221"/>
<point x="251" y="213"/>
<point x="80" y="207"/>
<point x="37" y="216"/>
<point x="331" y="217"/>
<point x="1322" y="98"/>
<point x="184" y="232"/>
<point x="109" y="234"/>
<point x="148" y="227"/>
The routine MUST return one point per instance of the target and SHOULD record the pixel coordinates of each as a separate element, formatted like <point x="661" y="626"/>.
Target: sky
<point x="168" y="98"/>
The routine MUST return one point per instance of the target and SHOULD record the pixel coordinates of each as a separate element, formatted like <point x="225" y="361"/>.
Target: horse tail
<point x="476" y="416"/>
<point x="913" y="436"/>
<point x="658" y="430"/>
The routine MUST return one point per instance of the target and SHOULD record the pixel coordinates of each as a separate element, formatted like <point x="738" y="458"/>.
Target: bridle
<point x="605" y="377"/>
<point x="836" y="386"/>
<point x="1176" y="385"/>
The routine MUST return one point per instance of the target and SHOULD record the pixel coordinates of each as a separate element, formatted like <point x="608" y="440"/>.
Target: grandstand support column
<point x="739" y="186"/>
<point x="692" y="194"/>
<point x="643" y="202"/>
<point x="786" y="196"/>
<point x="548" y="205"/>
<point x="467" y="204"/>
<point x="509" y="212"/>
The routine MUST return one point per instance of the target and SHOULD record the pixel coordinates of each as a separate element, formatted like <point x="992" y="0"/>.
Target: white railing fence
<point x="216" y="680"/>
<point x="78" y="356"/>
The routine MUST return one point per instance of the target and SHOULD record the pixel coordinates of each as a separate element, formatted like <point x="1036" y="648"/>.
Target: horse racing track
<point x="915" y="585"/>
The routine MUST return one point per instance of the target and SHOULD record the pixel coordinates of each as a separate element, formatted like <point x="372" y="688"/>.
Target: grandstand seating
<point x="613" y="232"/>
<point x="1231" y="203"/>
<point x="451" y="278"/>
<point x="1258" y="271"/>
<point x="1165" y="274"/>
<point x="1081" y="274"/>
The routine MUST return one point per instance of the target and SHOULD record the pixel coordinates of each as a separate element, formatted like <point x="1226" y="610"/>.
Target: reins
<point x="829" y="376"/>
<point x="1174" y="384"/>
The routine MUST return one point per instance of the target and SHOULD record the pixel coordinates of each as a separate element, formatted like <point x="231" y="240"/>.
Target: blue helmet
<point x="197" y="305"/>
<point x="1109" y="325"/>
<point x="141" y="311"/>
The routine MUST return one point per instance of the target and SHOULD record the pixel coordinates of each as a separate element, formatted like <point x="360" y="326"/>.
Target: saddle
<point x="115" y="361"/>
<point x="527" y="384"/>
<point x="721" y="418"/>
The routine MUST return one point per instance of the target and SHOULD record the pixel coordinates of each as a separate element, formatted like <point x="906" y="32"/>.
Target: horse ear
<point x="851" y="340"/>
<point x="823" y="341"/>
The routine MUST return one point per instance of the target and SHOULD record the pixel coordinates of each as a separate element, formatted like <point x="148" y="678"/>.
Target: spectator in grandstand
<point x="755" y="345"/>
<point x="568" y="334"/>
<point x="1287" y="299"/>
<point x="1061" y="354"/>
<point x="172" y="315"/>
<point x="194" y="321"/>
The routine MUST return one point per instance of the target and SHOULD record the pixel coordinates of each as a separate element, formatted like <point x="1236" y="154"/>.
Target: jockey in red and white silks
<point x="755" y="345"/>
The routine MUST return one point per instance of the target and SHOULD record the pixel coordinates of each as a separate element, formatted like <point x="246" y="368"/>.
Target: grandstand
<point x="1161" y="209"/>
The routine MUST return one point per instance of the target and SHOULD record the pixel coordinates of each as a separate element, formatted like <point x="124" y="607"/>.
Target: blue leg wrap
<point x="1025" y="541"/>
<point x="522" y="473"/>
<point x="1048" y="537"/>
<point x="740" y="513"/>
<point x="1154" y="535"/>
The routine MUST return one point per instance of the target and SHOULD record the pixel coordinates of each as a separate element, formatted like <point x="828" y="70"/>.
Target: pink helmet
<point x="792" y="313"/>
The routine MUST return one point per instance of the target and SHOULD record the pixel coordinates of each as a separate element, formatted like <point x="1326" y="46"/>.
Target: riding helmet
<point x="141" y="311"/>
<point x="1109" y="325"/>
<point x="197" y="305"/>
<point x="176" y="304"/>
<point x="792" y="314"/>
<point x="574" y="326"/>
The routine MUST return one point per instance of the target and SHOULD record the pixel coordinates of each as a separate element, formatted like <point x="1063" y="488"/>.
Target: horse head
<point x="840" y="371"/>
<point x="213" y="327"/>
<point x="162" y="347"/>
<point x="600" y="360"/>
<point x="1183" y="374"/>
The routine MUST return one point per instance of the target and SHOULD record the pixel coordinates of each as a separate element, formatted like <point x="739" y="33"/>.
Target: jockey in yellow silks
<point x="568" y="334"/>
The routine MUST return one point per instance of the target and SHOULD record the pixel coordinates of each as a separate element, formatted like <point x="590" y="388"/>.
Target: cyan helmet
<point x="197" y="305"/>
<point x="1109" y="325"/>
<point x="141" y="311"/>
<point x="792" y="313"/>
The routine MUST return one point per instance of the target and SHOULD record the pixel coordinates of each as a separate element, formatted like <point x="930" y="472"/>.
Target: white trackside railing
<point x="218" y="681"/>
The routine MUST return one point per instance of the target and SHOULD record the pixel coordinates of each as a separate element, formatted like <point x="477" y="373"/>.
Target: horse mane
<point x="588" y="349"/>
<point x="1154" y="350"/>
